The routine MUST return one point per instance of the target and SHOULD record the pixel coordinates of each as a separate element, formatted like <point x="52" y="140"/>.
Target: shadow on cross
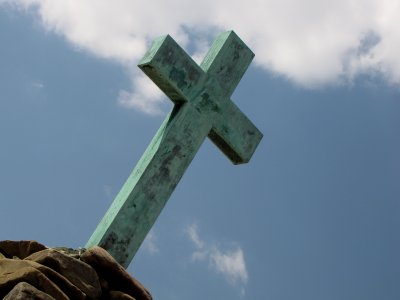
<point x="31" y="271"/>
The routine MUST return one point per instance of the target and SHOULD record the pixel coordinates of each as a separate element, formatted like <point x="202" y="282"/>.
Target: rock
<point x="80" y="274"/>
<point x="114" y="274"/>
<point x="13" y="272"/>
<point x="25" y="291"/>
<point x="43" y="278"/>
<point x="69" y="251"/>
<point x="117" y="295"/>
<point x="20" y="249"/>
<point x="29" y="270"/>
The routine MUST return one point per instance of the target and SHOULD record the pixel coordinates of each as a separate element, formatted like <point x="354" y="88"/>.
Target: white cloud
<point x="231" y="264"/>
<point x="194" y="236"/>
<point x="149" y="243"/>
<point x="311" y="42"/>
<point x="145" y="96"/>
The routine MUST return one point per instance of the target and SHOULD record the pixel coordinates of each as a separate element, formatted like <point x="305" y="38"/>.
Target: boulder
<point x="20" y="249"/>
<point x="117" y="295"/>
<point x="25" y="291"/>
<point x="14" y="271"/>
<point x="80" y="274"/>
<point x="116" y="277"/>
<point x="30" y="270"/>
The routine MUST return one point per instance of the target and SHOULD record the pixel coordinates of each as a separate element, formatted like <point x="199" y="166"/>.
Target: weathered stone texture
<point x="77" y="272"/>
<point x="29" y="270"/>
<point x="113" y="273"/>
<point x="25" y="291"/>
<point x="20" y="249"/>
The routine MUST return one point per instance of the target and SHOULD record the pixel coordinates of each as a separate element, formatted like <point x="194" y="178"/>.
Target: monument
<point x="202" y="107"/>
<point x="201" y="94"/>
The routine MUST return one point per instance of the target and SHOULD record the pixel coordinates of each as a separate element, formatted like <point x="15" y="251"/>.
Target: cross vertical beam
<point x="202" y="108"/>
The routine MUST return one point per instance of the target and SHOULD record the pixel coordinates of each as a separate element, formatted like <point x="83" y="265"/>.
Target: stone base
<point x="29" y="270"/>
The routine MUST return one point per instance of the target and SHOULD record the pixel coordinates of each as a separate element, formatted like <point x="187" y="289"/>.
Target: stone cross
<point x="201" y="95"/>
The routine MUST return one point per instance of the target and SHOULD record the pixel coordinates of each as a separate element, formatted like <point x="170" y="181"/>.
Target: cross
<point x="201" y="95"/>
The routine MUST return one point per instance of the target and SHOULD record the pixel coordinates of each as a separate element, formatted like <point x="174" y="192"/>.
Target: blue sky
<point x="314" y="215"/>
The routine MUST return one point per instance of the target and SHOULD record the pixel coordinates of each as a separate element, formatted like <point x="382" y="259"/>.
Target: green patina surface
<point x="202" y="108"/>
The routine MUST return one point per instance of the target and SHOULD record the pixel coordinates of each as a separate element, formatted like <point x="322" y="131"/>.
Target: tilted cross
<point x="201" y="95"/>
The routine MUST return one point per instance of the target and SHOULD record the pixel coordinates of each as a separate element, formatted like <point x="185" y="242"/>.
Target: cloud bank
<point x="310" y="42"/>
<point x="230" y="264"/>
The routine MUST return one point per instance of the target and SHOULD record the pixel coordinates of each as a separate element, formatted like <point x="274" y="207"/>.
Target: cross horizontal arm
<point x="234" y="134"/>
<point x="171" y="69"/>
<point x="227" y="61"/>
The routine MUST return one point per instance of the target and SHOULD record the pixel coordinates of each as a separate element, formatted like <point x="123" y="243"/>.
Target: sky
<point x="314" y="214"/>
